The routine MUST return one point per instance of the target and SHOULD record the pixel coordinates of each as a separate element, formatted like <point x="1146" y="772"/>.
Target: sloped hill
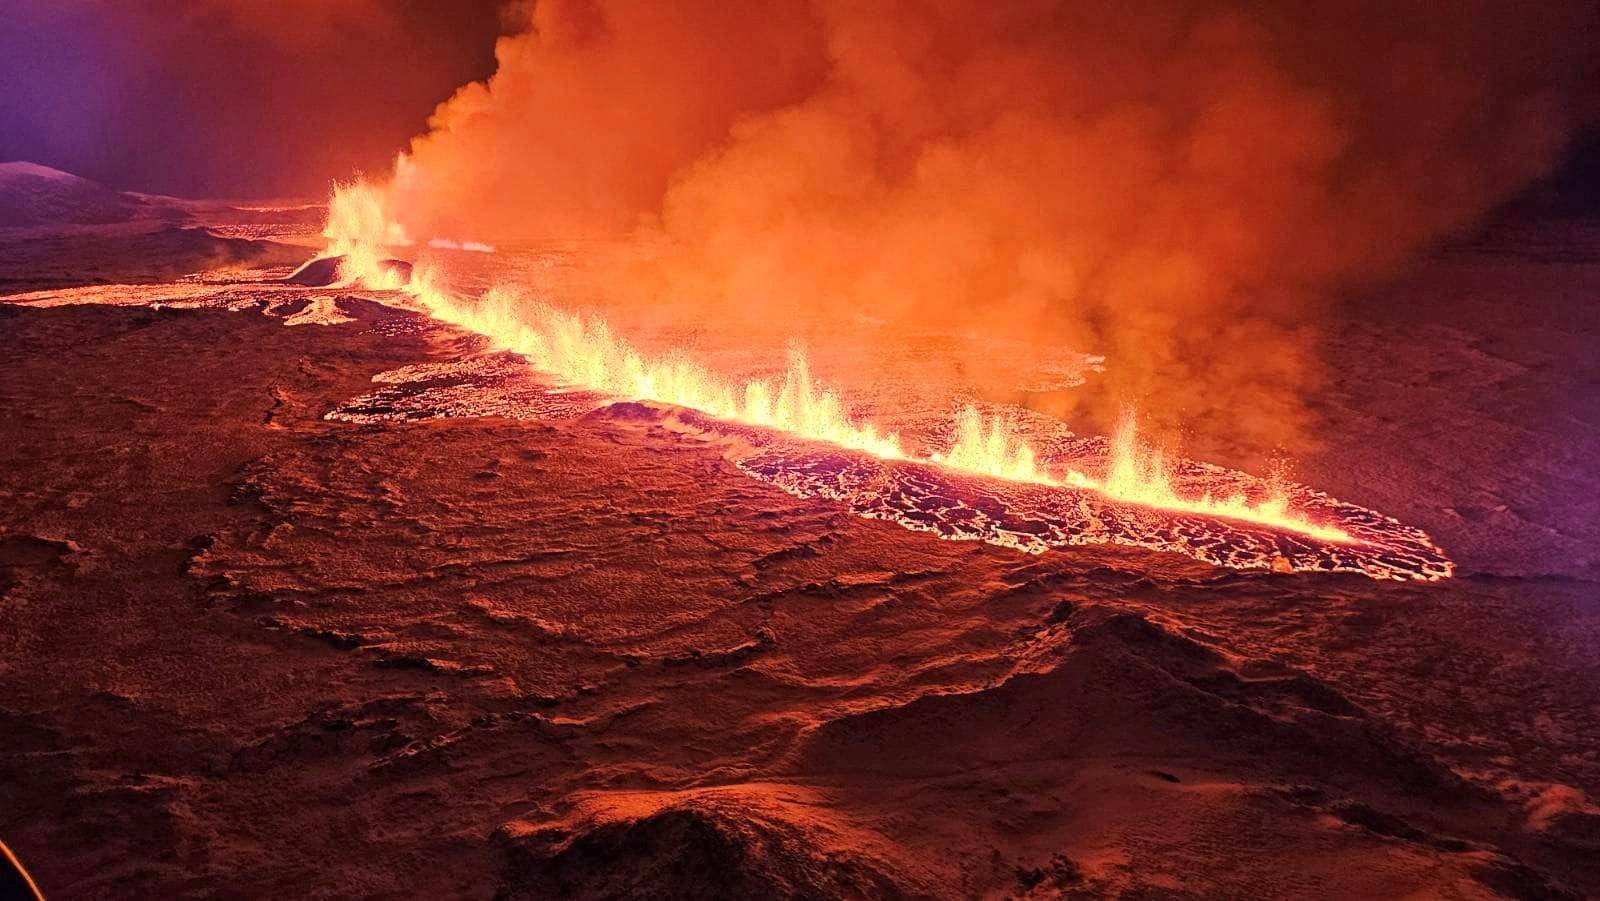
<point x="33" y="195"/>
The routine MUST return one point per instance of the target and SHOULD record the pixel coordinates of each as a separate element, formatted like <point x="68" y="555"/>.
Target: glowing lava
<point x="1135" y="474"/>
<point x="359" y="231"/>
<point x="584" y="352"/>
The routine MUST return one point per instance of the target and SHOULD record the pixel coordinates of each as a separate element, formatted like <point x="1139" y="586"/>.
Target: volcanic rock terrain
<point x="58" y="230"/>
<point x="271" y="627"/>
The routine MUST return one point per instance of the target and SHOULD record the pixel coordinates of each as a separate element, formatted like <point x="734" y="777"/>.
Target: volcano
<point x="799" y="449"/>
<point x="395" y="605"/>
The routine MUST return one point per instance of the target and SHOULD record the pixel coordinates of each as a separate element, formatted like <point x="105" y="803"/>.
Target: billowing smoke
<point x="1174" y="185"/>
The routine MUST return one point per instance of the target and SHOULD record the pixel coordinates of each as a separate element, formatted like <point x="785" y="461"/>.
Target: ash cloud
<point x="1177" y="186"/>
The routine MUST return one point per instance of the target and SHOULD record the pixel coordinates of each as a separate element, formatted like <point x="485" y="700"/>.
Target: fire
<point x="583" y="351"/>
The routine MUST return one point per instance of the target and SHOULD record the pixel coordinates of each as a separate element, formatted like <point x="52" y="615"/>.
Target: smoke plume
<point x="1177" y="186"/>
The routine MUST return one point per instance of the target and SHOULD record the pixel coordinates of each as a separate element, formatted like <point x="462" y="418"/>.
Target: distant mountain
<point x="33" y="195"/>
<point x="60" y="230"/>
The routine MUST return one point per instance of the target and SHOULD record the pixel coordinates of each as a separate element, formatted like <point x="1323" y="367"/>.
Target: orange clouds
<point x="1172" y="185"/>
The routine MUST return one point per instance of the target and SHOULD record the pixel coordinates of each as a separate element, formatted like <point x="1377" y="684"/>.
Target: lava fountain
<point x="583" y="351"/>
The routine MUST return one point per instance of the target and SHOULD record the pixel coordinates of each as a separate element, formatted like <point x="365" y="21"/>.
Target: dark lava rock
<point x="629" y="411"/>
<point x="694" y="850"/>
<point x="324" y="271"/>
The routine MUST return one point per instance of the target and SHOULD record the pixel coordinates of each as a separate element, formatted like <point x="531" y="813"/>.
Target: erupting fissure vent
<point x="583" y="351"/>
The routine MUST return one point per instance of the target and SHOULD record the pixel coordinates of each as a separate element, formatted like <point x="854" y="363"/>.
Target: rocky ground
<point x="246" y="650"/>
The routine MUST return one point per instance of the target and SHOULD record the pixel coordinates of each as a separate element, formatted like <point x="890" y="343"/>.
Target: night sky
<point x="231" y="98"/>
<point x="274" y="98"/>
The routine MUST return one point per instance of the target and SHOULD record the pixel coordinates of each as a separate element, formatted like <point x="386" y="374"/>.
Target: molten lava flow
<point x="1139" y="474"/>
<point x="1134" y="473"/>
<point x="583" y="351"/>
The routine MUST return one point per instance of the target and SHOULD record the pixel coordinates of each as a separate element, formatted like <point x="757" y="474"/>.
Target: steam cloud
<point x="1174" y="185"/>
